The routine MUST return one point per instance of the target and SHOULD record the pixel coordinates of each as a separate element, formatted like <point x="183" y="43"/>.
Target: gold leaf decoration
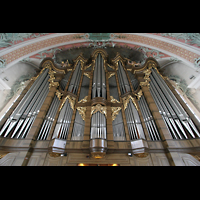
<point x="82" y="111"/>
<point x="100" y="108"/>
<point x="126" y="101"/>
<point x="114" y="100"/>
<point x="115" y="112"/>
<point x="84" y="100"/>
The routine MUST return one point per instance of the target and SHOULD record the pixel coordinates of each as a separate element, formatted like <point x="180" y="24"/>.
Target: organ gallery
<point x="101" y="109"/>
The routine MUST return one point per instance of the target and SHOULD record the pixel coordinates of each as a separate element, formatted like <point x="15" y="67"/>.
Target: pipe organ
<point x="100" y="102"/>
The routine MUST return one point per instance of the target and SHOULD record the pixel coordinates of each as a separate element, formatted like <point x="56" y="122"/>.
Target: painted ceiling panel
<point x="23" y="45"/>
<point x="99" y="36"/>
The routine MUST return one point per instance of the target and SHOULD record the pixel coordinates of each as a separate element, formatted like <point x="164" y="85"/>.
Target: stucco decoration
<point x="19" y="84"/>
<point x="50" y="53"/>
<point x="190" y="38"/>
<point x="9" y="39"/>
<point x="149" y="53"/>
<point x="182" y="85"/>
<point x="2" y="63"/>
<point x="197" y="62"/>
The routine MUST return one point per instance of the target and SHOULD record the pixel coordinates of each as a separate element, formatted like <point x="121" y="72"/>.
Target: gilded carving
<point x="146" y="83"/>
<point x="53" y="84"/>
<point x="110" y="74"/>
<point x="59" y="94"/>
<point x="71" y="101"/>
<point x="114" y="100"/>
<point x="147" y="73"/>
<point x="51" y="75"/>
<point x="101" y="51"/>
<point x="126" y="101"/>
<point x="139" y="94"/>
<point x="133" y="63"/>
<point x="66" y="64"/>
<point x="83" y="100"/>
<point x="82" y="111"/>
<point x="87" y="74"/>
<point x="100" y="108"/>
<point x="115" y="112"/>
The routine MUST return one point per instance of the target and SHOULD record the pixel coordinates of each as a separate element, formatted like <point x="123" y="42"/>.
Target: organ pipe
<point x="176" y="118"/>
<point x="98" y="120"/>
<point x="64" y="120"/>
<point x="25" y="113"/>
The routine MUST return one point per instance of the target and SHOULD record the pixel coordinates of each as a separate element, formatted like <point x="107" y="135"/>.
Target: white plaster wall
<point x="12" y="75"/>
<point x="184" y="71"/>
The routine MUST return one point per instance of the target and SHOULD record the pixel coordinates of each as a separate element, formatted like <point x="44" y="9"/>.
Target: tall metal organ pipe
<point x="98" y="120"/>
<point x="123" y="81"/>
<point x="133" y="120"/>
<point x="148" y="119"/>
<point x="177" y="120"/>
<point x="64" y="120"/>
<point x="23" y="116"/>
<point x="50" y="116"/>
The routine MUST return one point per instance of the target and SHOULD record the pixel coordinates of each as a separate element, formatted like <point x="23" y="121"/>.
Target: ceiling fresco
<point x="15" y="47"/>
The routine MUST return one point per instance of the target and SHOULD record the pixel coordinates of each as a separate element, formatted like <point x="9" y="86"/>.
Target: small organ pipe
<point x="50" y="113"/>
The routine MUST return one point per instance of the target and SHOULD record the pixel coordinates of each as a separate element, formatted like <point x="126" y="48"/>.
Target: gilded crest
<point x="100" y="108"/>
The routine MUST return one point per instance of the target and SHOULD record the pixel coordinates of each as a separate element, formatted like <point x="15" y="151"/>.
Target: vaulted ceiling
<point x="18" y="46"/>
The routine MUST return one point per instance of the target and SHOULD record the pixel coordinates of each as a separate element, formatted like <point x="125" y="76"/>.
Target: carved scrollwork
<point x="71" y="101"/>
<point x="87" y="74"/>
<point x="126" y="101"/>
<point x="100" y="108"/>
<point x="114" y="100"/>
<point x="110" y="74"/>
<point x="146" y="83"/>
<point x="84" y="100"/>
<point x="139" y="94"/>
<point x="82" y="111"/>
<point x="59" y="94"/>
<point x="115" y="112"/>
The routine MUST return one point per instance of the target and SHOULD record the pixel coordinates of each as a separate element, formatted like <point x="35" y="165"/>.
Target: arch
<point x="186" y="53"/>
